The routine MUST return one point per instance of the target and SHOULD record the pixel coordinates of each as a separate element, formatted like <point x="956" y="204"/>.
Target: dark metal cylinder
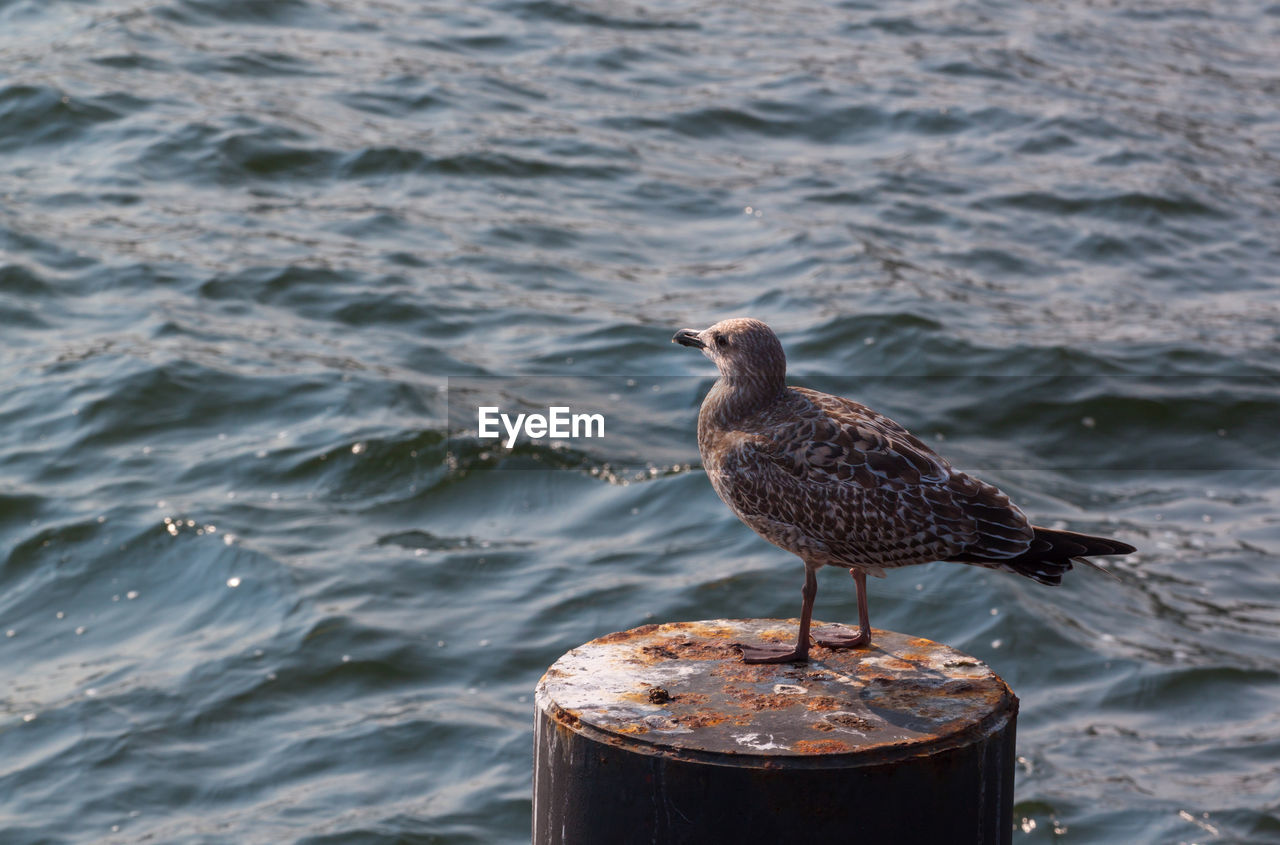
<point x="662" y="735"/>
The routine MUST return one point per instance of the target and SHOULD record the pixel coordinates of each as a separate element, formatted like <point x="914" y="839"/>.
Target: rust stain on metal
<point x="708" y="630"/>
<point x="680" y="689"/>
<point x="763" y="701"/>
<point x="626" y="636"/>
<point x="778" y="635"/>
<point x="822" y="746"/>
<point x="826" y="702"/>
<point x="645" y="696"/>
<point x="852" y="721"/>
<point x="688" y="650"/>
<point x="567" y="720"/>
<point x="694" y="698"/>
<point x="706" y="720"/>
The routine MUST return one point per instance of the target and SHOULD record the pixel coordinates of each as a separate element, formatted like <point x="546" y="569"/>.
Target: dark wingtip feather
<point x="1051" y="554"/>
<point x="1095" y="567"/>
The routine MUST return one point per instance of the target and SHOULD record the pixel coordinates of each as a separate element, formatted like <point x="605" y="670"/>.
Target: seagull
<point x="838" y="484"/>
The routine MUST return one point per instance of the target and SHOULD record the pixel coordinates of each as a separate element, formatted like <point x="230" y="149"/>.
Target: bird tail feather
<point x="1051" y="555"/>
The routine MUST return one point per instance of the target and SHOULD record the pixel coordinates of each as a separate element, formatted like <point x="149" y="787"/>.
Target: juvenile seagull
<point x="840" y="485"/>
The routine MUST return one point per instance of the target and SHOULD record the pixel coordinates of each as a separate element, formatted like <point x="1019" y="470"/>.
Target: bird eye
<point x="721" y="341"/>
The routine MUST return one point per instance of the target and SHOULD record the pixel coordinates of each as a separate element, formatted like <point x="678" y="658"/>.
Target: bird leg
<point x="838" y="636"/>
<point x="780" y="653"/>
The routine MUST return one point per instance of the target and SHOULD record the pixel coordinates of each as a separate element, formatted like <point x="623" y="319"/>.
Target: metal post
<point x="662" y="735"/>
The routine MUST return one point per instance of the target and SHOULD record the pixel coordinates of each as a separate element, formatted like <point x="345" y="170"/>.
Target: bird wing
<point x="860" y="488"/>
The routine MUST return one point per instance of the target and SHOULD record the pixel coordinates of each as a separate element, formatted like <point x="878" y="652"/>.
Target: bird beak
<point x="688" y="337"/>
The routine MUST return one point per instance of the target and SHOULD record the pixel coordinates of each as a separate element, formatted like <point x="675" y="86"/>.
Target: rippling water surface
<point x="258" y="583"/>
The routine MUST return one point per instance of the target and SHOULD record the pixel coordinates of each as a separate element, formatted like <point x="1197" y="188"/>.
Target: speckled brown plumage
<point x="841" y="485"/>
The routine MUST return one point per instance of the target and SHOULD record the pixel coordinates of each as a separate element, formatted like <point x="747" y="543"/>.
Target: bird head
<point x="742" y="348"/>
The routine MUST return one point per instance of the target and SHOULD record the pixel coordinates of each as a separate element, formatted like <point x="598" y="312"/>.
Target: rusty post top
<point x="681" y="689"/>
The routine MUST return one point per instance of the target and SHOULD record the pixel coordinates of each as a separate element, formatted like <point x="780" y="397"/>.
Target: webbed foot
<point x="838" y="636"/>
<point x="772" y="654"/>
